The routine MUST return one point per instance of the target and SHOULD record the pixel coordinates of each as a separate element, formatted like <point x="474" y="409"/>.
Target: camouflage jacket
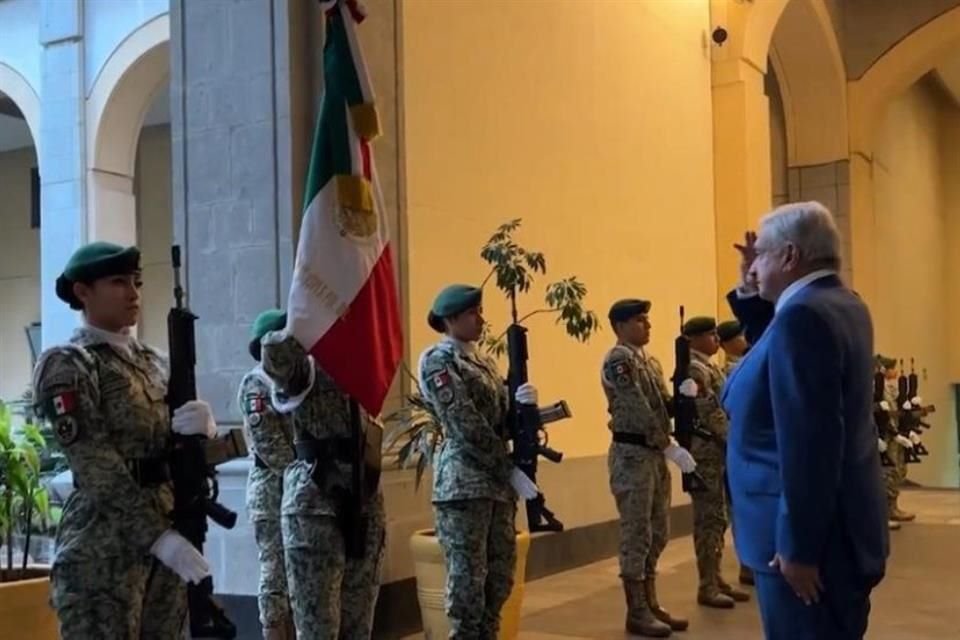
<point x="470" y="398"/>
<point x="710" y="381"/>
<point x="271" y="440"/>
<point x="105" y="399"/>
<point x="890" y="394"/>
<point x="729" y="362"/>
<point x="319" y="410"/>
<point x="637" y="395"/>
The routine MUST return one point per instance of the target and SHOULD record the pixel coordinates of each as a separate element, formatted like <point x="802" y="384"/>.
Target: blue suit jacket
<point x="802" y="458"/>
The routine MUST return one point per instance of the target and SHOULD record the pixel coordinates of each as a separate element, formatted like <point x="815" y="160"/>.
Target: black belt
<point x="637" y="439"/>
<point x="259" y="463"/>
<point x="312" y="449"/>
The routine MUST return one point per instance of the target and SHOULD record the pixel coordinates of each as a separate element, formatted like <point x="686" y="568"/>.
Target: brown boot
<point x="901" y="516"/>
<point x="746" y="576"/>
<point x="893" y="526"/>
<point x="710" y="596"/>
<point x="731" y="592"/>
<point x="640" y="620"/>
<point x="676" y="624"/>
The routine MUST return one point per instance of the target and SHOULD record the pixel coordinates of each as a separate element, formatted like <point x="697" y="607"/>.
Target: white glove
<point x="523" y="485"/>
<point x="882" y="445"/>
<point x="194" y="418"/>
<point x="689" y="388"/>
<point x="907" y="406"/>
<point x="904" y="441"/>
<point x="175" y="551"/>
<point x="527" y="394"/>
<point x="914" y="437"/>
<point x="884" y="405"/>
<point x="680" y="457"/>
<point x="917" y="401"/>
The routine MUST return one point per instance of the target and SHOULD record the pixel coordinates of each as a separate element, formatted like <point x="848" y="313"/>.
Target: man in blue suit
<point x="808" y="501"/>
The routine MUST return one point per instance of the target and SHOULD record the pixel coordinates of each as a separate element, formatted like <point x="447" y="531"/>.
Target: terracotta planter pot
<point x="431" y="579"/>
<point x="25" y="605"/>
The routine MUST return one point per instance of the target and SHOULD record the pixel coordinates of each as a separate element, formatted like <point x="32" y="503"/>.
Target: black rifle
<point x="686" y="420"/>
<point x="880" y="417"/>
<point x="914" y="417"/>
<point x="526" y="425"/>
<point x="192" y="465"/>
<point x="905" y="422"/>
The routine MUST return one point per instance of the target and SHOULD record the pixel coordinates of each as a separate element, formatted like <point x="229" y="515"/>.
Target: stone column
<point x="61" y="148"/>
<point x="829" y="184"/>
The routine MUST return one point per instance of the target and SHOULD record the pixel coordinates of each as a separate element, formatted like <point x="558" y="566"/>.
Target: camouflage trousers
<point x="709" y="512"/>
<point x="480" y="551"/>
<point x="641" y="488"/>
<point x="120" y="599"/>
<point x="333" y="597"/>
<point x="272" y="597"/>
<point x="894" y="476"/>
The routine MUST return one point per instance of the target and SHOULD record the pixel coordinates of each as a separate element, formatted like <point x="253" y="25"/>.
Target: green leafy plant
<point x="514" y="269"/>
<point x="24" y="503"/>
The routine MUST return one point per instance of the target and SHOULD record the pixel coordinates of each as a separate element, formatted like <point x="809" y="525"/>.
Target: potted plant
<point x="25" y="514"/>
<point x="416" y="430"/>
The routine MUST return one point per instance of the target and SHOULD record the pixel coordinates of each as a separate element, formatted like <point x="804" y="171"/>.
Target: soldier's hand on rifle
<point x="680" y="457"/>
<point x="916" y="401"/>
<point x="748" y="253"/>
<point x="689" y="388"/>
<point x="907" y="406"/>
<point x="884" y="406"/>
<point x="176" y="552"/>
<point x="194" y="418"/>
<point x="882" y="445"/>
<point x="527" y="394"/>
<point x="523" y="485"/>
<point x="903" y="441"/>
<point x="914" y="438"/>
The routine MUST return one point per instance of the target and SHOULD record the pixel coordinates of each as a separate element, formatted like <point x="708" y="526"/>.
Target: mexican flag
<point x="343" y="304"/>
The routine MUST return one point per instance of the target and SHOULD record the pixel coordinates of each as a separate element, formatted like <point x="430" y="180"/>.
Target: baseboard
<point x="398" y="612"/>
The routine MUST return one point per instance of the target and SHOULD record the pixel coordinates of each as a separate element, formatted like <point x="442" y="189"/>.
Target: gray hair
<point x="808" y="226"/>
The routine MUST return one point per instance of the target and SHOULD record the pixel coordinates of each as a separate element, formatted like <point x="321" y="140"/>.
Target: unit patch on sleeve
<point x="255" y="406"/>
<point x="66" y="430"/>
<point x="439" y="383"/>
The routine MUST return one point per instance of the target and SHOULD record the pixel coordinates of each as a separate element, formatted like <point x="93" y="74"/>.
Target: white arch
<point x="118" y="102"/>
<point x="16" y="87"/>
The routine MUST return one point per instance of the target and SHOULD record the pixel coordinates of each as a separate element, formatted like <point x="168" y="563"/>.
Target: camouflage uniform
<point x="104" y="395"/>
<point x="709" y="507"/>
<point x="895" y="475"/>
<point x="474" y="501"/>
<point x="271" y="443"/>
<point x="729" y="362"/>
<point x="332" y="596"/>
<point x="637" y="401"/>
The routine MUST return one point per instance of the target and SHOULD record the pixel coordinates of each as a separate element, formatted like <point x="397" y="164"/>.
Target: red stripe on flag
<point x="362" y="350"/>
<point x="365" y="159"/>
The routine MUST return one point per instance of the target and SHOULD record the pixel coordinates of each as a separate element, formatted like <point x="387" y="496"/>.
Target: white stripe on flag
<point x="358" y="62"/>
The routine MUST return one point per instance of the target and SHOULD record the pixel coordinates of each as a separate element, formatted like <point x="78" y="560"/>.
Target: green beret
<point x="699" y="325"/>
<point x="623" y="310"/>
<point x="92" y="262"/>
<point x="885" y="362"/>
<point x="729" y="330"/>
<point x="453" y="300"/>
<point x="270" y="320"/>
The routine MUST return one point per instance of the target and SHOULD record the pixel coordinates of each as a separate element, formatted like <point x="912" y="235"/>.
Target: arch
<point x="16" y="87"/>
<point x="760" y="23"/>
<point x="809" y="64"/>
<point x="123" y="92"/>
<point x="895" y="71"/>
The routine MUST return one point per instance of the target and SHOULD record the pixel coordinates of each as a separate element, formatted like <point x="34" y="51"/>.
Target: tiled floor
<point x="918" y="600"/>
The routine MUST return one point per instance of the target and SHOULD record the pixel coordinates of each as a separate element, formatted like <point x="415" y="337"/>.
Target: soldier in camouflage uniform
<point x="333" y="596"/>
<point x="271" y="443"/>
<point x="120" y="569"/>
<point x="709" y="506"/>
<point x="638" y="401"/>
<point x="896" y="443"/>
<point x="473" y="496"/>
<point x="733" y="343"/>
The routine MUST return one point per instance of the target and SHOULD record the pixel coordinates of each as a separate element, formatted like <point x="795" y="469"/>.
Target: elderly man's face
<point x="774" y="268"/>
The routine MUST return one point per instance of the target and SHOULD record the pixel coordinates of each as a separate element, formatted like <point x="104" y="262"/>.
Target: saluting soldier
<point x="638" y="401"/>
<point x="333" y="596"/>
<point x="271" y="442"/>
<point x="474" y="483"/>
<point x="709" y="450"/>
<point x="120" y="568"/>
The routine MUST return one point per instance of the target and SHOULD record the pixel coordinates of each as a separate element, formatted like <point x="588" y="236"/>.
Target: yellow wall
<point x="19" y="271"/>
<point x="910" y="307"/>
<point x="592" y="122"/>
<point x="154" y="232"/>
<point x="950" y="167"/>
